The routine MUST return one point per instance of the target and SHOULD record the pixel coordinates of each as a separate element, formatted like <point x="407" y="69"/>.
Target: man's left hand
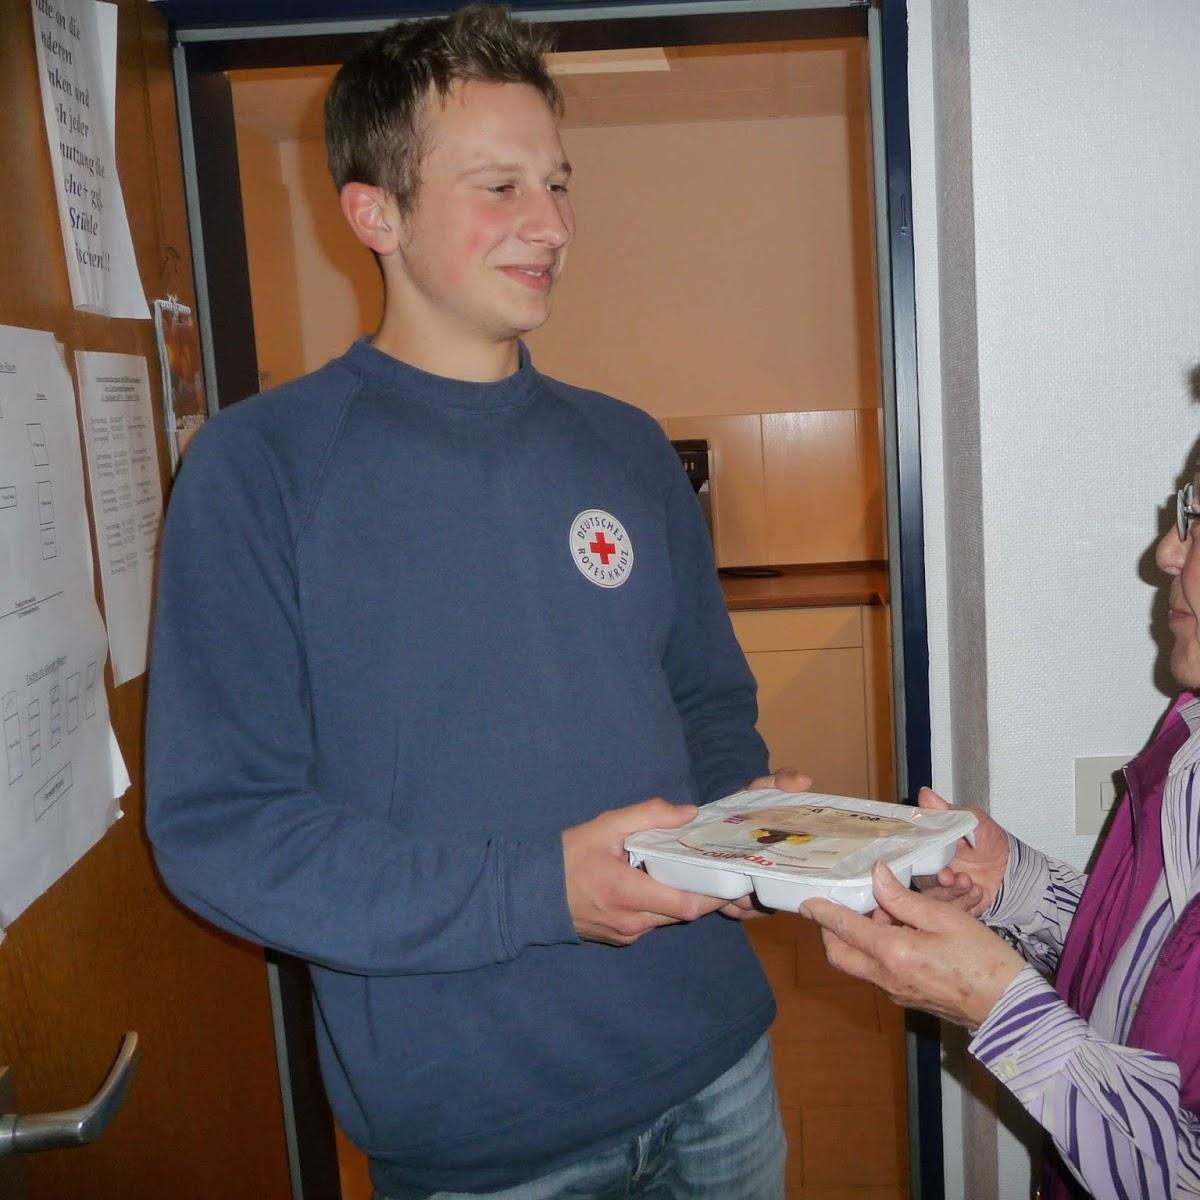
<point x="786" y="779"/>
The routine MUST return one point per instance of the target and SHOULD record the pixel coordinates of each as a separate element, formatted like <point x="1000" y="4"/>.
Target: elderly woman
<point x="1107" y="1058"/>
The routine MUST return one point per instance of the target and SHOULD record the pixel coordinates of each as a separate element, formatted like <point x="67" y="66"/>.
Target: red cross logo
<point x="602" y="548"/>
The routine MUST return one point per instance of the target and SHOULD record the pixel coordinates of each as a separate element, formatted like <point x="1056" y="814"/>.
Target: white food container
<point x="788" y="847"/>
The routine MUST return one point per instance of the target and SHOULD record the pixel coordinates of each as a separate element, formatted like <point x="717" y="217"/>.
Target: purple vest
<point x="1118" y="889"/>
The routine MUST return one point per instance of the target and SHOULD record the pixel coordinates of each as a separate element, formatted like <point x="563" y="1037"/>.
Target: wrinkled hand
<point x="934" y="957"/>
<point x="611" y="901"/>
<point x="786" y="779"/>
<point x="974" y="875"/>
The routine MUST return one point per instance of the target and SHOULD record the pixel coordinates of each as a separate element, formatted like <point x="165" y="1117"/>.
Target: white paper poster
<point x="60" y="768"/>
<point x="77" y="66"/>
<point x="118" y="430"/>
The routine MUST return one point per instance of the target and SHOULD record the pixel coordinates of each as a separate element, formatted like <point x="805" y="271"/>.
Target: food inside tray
<point x="814" y="836"/>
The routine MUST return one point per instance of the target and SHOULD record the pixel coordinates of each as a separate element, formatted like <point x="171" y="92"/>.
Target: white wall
<point x="1055" y="174"/>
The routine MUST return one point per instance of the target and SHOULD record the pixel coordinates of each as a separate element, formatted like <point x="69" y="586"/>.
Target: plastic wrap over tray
<point x="788" y="847"/>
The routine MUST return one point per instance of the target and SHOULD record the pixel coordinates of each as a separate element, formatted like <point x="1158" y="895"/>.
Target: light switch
<point x="1096" y="790"/>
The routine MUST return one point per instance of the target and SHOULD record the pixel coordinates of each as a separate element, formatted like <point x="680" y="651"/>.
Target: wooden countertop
<point x="817" y="585"/>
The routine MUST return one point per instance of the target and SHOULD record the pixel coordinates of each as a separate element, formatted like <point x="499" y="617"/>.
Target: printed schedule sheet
<point x="61" y="772"/>
<point x="118" y="425"/>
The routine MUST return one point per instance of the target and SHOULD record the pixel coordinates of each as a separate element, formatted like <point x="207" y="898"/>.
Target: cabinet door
<point x="813" y="714"/>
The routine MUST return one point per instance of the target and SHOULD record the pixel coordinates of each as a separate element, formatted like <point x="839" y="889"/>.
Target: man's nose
<point x="546" y="222"/>
<point x="1171" y="553"/>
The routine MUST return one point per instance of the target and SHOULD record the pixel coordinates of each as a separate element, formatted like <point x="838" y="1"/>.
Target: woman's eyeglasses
<point x="1185" y="510"/>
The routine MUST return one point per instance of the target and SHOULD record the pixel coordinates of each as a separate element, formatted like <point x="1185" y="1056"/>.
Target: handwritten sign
<point x="77" y="65"/>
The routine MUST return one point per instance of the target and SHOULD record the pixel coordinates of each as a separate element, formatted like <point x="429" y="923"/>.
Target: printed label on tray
<point x="813" y="837"/>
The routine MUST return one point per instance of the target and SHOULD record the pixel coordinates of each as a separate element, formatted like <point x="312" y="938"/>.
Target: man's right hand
<point x="976" y="872"/>
<point x="611" y="901"/>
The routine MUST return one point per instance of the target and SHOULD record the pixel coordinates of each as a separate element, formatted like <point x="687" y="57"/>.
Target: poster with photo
<point x="184" y="403"/>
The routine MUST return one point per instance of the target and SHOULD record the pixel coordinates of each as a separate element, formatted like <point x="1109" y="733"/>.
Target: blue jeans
<point x="725" y="1143"/>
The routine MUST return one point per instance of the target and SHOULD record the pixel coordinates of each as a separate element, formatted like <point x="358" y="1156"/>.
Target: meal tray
<point x="788" y="847"/>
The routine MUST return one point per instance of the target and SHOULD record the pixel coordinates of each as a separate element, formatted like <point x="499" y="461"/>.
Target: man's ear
<point x="372" y="216"/>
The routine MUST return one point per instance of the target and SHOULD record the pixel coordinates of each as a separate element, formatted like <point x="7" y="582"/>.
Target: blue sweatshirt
<point x="409" y="630"/>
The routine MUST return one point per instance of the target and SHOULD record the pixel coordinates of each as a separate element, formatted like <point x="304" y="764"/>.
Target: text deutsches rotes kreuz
<point x="601" y="548"/>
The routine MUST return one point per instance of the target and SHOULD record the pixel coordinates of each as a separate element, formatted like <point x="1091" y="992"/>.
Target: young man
<point x="435" y="634"/>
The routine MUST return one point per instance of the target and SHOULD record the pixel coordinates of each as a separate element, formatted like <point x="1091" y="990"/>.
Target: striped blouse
<point x="1114" y="1112"/>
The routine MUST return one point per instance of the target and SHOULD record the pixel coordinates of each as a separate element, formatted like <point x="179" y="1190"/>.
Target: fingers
<point x="650" y="814"/>
<point x="953" y="887"/>
<point x="945" y="880"/>
<point x="967" y="899"/>
<point x="910" y="908"/>
<point x="636" y="904"/>
<point x="850" y="927"/>
<point x="848" y="958"/>
<point x="854" y="944"/>
<point x="844" y="935"/>
<point x="928" y="798"/>
<point x="786" y="779"/>
<point x="678" y="906"/>
<point x="639" y="893"/>
<point x="744" y="909"/>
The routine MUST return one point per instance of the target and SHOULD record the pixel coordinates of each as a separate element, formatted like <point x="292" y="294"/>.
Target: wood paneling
<point x="106" y="950"/>
<point x="823" y="484"/>
<point x="811" y="715"/>
<point x="798" y="629"/>
<point x="824" y="693"/>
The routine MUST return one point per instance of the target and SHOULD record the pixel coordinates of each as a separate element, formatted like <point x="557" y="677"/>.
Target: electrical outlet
<point x="1096" y="790"/>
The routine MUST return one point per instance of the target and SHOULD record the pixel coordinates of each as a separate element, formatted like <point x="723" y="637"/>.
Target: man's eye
<point x="561" y="188"/>
<point x="501" y="188"/>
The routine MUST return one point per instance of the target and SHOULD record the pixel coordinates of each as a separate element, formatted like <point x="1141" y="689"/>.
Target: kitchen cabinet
<point x="824" y="693"/>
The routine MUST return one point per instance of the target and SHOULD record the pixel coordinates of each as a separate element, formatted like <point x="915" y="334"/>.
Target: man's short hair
<point x="374" y="109"/>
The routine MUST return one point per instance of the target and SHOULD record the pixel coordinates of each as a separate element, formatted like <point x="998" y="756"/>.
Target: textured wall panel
<point x="1080" y="165"/>
<point x="1086" y="173"/>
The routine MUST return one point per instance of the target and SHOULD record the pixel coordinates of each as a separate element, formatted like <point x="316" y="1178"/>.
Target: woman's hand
<point x="974" y="875"/>
<point x="933" y="956"/>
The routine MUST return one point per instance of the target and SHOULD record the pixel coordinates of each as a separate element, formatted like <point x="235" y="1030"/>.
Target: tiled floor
<point x="839" y="1059"/>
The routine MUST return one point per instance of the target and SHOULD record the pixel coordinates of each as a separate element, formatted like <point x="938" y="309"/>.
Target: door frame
<point x="201" y="55"/>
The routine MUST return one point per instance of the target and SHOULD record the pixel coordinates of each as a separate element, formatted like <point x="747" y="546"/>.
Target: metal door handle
<point x="75" y="1126"/>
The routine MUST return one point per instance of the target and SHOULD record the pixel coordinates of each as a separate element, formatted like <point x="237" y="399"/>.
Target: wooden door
<point x="106" y="950"/>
